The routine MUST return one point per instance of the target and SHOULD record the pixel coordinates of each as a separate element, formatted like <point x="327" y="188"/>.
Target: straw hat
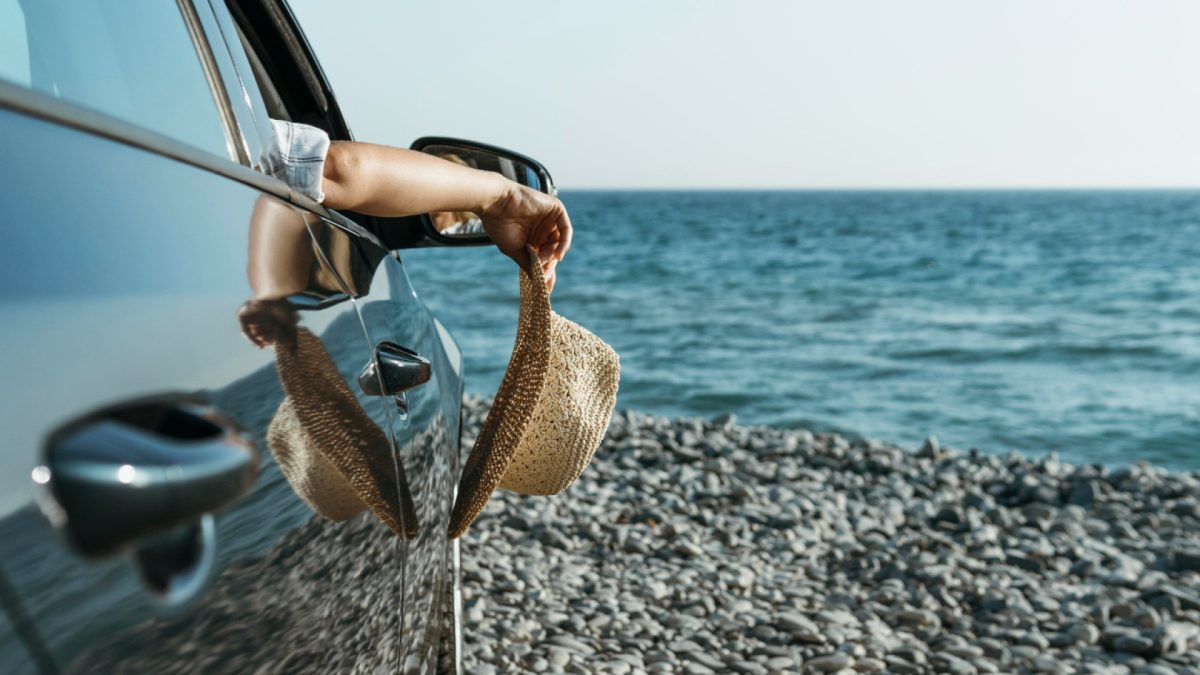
<point x="550" y="413"/>
<point x="335" y="456"/>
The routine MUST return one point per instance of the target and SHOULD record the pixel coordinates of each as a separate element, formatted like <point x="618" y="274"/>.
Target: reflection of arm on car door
<point x="385" y="181"/>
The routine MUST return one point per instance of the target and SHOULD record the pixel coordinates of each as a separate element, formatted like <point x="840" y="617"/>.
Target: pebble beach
<point x="701" y="546"/>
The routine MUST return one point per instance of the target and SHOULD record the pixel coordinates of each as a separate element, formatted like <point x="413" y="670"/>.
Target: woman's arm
<point x="385" y="181"/>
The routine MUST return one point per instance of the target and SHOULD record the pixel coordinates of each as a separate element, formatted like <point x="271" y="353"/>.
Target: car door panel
<point x="122" y="278"/>
<point x="427" y="438"/>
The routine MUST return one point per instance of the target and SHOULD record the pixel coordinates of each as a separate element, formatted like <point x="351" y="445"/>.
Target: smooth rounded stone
<point x="902" y="667"/>
<point x="984" y="665"/>
<point x="1024" y="652"/>
<point x="614" y="666"/>
<point x="1134" y="644"/>
<point x="1033" y="639"/>
<point x="747" y="667"/>
<point x="834" y="635"/>
<point x="952" y="665"/>
<point x="571" y="644"/>
<point x="964" y="651"/>
<point x="830" y="662"/>
<point x="658" y="656"/>
<point x="870" y="665"/>
<point x="916" y="617"/>
<point x="765" y="632"/>
<point x="993" y="649"/>
<point x="1154" y="669"/>
<point x="1083" y="632"/>
<point x="836" y="617"/>
<point x="706" y="659"/>
<point x="558" y="658"/>
<point x="1046" y="663"/>
<point x="680" y="647"/>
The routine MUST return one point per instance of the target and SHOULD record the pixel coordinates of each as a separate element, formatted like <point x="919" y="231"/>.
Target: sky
<point x="783" y="93"/>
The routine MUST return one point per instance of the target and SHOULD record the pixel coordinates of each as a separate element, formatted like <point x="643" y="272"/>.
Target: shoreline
<point x="702" y="546"/>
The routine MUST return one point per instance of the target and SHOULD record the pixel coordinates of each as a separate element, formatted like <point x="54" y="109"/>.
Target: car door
<point x="139" y="259"/>
<point x="426" y="428"/>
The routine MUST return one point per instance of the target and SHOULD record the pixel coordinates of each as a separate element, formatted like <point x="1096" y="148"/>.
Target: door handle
<point x="393" y="371"/>
<point x="143" y="469"/>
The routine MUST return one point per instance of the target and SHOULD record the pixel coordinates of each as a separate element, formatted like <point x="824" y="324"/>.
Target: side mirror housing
<point x="458" y="228"/>
<point x="461" y="228"/>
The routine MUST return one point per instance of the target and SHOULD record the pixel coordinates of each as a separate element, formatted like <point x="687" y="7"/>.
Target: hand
<point x="266" y="322"/>
<point x="523" y="216"/>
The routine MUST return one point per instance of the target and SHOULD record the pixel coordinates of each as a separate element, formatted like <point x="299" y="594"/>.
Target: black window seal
<point x="273" y="32"/>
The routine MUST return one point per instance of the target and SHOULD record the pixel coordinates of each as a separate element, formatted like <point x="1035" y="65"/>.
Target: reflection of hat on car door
<point x="550" y="413"/>
<point x="332" y="453"/>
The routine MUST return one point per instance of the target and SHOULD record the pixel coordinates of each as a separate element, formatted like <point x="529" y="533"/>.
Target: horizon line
<point x="1043" y="188"/>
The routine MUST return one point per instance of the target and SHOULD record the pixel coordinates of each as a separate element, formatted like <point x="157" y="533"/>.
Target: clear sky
<point x="785" y="93"/>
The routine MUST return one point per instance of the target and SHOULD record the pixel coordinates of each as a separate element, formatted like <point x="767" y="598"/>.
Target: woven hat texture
<point x="321" y="426"/>
<point x="313" y="477"/>
<point x="550" y="413"/>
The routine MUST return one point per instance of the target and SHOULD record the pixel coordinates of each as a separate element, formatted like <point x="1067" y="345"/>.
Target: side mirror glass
<point x="464" y="227"/>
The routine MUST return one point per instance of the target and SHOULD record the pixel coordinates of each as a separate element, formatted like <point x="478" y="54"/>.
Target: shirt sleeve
<point x="296" y="155"/>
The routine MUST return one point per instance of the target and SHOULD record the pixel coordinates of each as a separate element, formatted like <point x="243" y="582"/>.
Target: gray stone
<point x="1185" y="561"/>
<point x="952" y="665"/>
<point x="1084" y="493"/>
<point x="830" y="662"/>
<point x="748" y="667"/>
<point x="571" y="644"/>
<point x="1134" y="644"/>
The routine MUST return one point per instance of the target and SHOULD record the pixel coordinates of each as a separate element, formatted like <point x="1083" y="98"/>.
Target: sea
<point x="1036" y="321"/>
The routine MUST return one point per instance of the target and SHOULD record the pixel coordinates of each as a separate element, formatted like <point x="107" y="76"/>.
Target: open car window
<point x="290" y="83"/>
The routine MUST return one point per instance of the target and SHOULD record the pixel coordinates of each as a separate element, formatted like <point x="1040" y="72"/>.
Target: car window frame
<point x="393" y="233"/>
<point x="234" y="141"/>
<point x="295" y="54"/>
<point x="224" y="78"/>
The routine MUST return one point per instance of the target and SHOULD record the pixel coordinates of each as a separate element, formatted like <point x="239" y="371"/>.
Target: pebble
<point x="830" y="663"/>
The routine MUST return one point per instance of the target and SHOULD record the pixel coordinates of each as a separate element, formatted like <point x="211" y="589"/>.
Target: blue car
<point x="174" y="498"/>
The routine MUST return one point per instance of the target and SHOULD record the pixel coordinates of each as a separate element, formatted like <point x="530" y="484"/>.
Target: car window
<point x="131" y="59"/>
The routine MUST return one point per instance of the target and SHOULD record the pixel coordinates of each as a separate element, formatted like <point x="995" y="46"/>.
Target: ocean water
<point x="1039" y="321"/>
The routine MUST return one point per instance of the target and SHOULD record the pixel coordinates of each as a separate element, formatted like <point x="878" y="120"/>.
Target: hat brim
<point x="343" y="432"/>
<point x="513" y="406"/>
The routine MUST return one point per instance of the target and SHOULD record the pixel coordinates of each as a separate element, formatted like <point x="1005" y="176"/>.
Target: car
<point x="160" y="473"/>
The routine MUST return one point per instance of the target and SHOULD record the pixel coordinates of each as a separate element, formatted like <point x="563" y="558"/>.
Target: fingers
<point x="550" y="273"/>
<point x="564" y="232"/>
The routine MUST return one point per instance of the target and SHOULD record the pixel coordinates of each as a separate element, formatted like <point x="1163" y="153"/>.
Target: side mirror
<point x="462" y="228"/>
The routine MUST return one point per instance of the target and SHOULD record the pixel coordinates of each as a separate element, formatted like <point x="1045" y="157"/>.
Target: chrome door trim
<point x="234" y="140"/>
<point x="41" y="106"/>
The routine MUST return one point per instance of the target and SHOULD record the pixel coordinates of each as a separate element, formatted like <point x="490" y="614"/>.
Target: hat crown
<point x="550" y="413"/>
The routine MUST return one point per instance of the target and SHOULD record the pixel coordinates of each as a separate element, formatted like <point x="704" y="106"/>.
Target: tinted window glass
<point x="132" y="59"/>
